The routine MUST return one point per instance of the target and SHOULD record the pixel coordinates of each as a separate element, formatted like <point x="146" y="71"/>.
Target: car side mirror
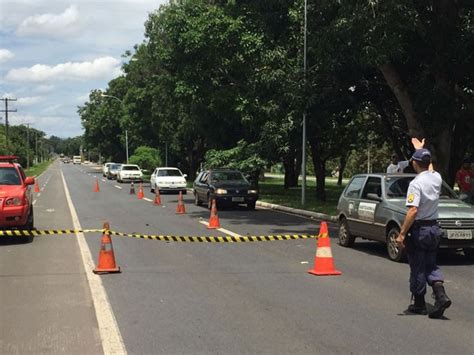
<point x="185" y="175"/>
<point x="29" y="180"/>
<point x="375" y="197"/>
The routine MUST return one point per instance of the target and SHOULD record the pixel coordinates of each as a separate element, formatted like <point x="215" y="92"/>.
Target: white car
<point x="168" y="179"/>
<point x="129" y="172"/>
<point x="105" y="168"/>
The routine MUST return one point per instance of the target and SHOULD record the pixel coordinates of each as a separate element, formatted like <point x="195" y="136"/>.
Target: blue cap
<point x="423" y="155"/>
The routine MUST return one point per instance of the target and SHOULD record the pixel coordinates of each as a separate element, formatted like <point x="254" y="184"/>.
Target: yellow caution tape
<point x="164" y="238"/>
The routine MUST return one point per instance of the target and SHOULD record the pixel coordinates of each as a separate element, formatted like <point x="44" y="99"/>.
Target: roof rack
<point x="8" y="158"/>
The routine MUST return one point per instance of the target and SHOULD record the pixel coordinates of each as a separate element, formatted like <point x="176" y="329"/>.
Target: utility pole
<point x="303" y="153"/>
<point x="27" y="145"/>
<point x="5" y="100"/>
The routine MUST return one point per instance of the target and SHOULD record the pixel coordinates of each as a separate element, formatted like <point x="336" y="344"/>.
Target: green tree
<point x="147" y="158"/>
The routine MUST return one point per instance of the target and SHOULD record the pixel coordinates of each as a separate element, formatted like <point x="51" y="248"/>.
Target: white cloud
<point x="51" y="24"/>
<point x="27" y="101"/>
<point x="104" y="67"/>
<point x="44" y="88"/>
<point x="5" y="55"/>
<point x="83" y="98"/>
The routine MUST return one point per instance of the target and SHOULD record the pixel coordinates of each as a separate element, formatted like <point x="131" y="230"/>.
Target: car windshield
<point x="397" y="187"/>
<point x="130" y="168"/>
<point x="169" y="172"/>
<point x="228" y="176"/>
<point x="115" y="167"/>
<point x="9" y="176"/>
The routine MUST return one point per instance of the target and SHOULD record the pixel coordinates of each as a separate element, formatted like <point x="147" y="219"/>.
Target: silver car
<point x="372" y="206"/>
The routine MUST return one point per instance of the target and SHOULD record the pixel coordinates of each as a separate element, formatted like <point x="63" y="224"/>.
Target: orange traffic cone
<point x="214" y="219"/>
<point x="157" y="201"/>
<point x="180" y="208"/>
<point x="96" y="186"/>
<point x="37" y="188"/>
<point x="140" y="194"/>
<point x="132" y="189"/>
<point x="106" y="257"/>
<point x="323" y="260"/>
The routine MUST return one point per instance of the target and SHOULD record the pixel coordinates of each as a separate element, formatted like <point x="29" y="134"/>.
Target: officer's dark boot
<point x="442" y="301"/>
<point x="419" y="307"/>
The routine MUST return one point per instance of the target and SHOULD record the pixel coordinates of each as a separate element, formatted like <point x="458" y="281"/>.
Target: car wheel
<point x="469" y="253"/>
<point x="209" y="202"/>
<point x="30" y="225"/>
<point x="394" y="252"/>
<point x="346" y="239"/>
<point x="251" y="205"/>
<point x="185" y="192"/>
<point x="152" y="189"/>
<point x="197" y="201"/>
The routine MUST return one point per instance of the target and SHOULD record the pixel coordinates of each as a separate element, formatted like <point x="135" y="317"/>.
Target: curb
<point x="305" y="213"/>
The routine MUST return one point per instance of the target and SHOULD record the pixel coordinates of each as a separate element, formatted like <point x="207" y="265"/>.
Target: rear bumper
<point x="13" y="216"/>
<point x="236" y="199"/>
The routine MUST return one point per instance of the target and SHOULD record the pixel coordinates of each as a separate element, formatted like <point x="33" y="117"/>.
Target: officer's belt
<point x="425" y="222"/>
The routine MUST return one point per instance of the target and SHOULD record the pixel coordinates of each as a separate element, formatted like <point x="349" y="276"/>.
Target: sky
<point x="54" y="52"/>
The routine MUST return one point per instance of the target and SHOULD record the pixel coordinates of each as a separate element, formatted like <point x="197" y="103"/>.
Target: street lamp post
<point x="303" y="153"/>
<point x="123" y="109"/>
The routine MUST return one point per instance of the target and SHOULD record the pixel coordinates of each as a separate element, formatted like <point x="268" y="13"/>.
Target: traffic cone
<point x="214" y="219"/>
<point x="140" y="194"/>
<point x="106" y="254"/>
<point x="132" y="189"/>
<point x="157" y="201"/>
<point x="180" y="208"/>
<point x="323" y="260"/>
<point x="37" y="188"/>
<point x="96" y="186"/>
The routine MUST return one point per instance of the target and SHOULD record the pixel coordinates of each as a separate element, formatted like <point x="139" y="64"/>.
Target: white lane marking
<point x="118" y="187"/>
<point x="112" y="341"/>
<point x="104" y="180"/>
<point x="226" y="231"/>
<point x="34" y="202"/>
<point x="147" y="199"/>
<point x="39" y="194"/>
<point x="50" y="210"/>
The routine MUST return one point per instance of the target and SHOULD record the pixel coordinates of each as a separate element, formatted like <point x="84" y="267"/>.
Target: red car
<point x="16" y="196"/>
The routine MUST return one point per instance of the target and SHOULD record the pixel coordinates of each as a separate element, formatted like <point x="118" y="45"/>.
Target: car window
<point x="227" y="176"/>
<point x="9" y="176"/>
<point x="169" y="172"/>
<point x="130" y="168"/>
<point x="372" y="186"/>
<point x="353" y="190"/>
<point x="115" y="166"/>
<point x="22" y="173"/>
<point x="397" y="187"/>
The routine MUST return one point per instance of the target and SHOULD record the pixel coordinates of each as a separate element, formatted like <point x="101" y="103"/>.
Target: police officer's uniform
<point x="424" y="237"/>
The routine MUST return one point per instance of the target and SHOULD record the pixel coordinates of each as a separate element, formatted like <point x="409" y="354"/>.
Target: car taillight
<point x="15" y="201"/>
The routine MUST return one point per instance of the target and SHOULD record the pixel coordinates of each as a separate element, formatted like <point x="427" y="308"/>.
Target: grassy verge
<point x="272" y="191"/>
<point x="38" y="169"/>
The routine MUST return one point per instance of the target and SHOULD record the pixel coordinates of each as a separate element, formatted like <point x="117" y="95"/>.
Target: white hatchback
<point x="129" y="172"/>
<point x="168" y="179"/>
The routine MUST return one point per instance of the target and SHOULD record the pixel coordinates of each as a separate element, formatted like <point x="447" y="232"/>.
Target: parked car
<point x="105" y="168"/>
<point x="372" y="206"/>
<point x="226" y="186"/>
<point x="112" y="171"/>
<point x="76" y="159"/>
<point x="168" y="179"/>
<point x="129" y="172"/>
<point x="16" y="196"/>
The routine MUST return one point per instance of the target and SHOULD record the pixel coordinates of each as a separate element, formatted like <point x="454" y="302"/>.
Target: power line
<point x="5" y="100"/>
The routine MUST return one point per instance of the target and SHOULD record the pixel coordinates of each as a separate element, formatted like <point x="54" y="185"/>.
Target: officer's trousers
<point x="422" y="247"/>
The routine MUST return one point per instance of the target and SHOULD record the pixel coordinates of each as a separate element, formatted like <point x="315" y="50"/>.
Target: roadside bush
<point x="147" y="158"/>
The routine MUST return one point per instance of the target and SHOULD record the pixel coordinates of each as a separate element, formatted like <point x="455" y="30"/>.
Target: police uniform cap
<point x="423" y="155"/>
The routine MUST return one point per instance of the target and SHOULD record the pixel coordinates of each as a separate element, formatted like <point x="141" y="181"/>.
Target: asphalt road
<point x="212" y="298"/>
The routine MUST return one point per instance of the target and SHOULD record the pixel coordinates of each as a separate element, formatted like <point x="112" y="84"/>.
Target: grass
<point x="38" y="169"/>
<point x="272" y="191"/>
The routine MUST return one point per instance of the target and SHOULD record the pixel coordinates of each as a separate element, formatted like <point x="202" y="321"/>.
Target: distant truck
<point x="76" y="159"/>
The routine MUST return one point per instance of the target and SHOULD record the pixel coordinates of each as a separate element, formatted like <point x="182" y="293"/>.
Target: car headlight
<point x="253" y="192"/>
<point x="221" y="191"/>
<point x="15" y="201"/>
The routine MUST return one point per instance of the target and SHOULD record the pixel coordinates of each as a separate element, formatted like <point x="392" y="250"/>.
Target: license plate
<point x="237" y="199"/>
<point x="460" y="234"/>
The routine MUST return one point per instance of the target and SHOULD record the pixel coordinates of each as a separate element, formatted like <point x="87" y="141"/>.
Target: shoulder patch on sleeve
<point x="411" y="198"/>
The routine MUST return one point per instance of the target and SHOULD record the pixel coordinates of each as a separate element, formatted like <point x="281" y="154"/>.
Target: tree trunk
<point x="289" y="165"/>
<point x="342" y="167"/>
<point x="400" y="91"/>
<point x="319" y="168"/>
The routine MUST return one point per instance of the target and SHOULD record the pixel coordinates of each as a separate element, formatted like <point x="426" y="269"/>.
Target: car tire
<point x="152" y="190"/>
<point x="209" y="202"/>
<point x="346" y="239"/>
<point x="469" y="253"/>
<point x="30" y="225"/>
<point x="251" y="205"/>
<point x="197" y="201"/>
<point x="393" y="251"/>
<point x="185" y="192"/>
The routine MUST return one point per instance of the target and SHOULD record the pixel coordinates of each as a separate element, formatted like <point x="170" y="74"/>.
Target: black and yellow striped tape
<point x="164" y="238"/>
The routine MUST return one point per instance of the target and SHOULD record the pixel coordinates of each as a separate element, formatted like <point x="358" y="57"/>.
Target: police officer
<point x="420" y="234"/>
